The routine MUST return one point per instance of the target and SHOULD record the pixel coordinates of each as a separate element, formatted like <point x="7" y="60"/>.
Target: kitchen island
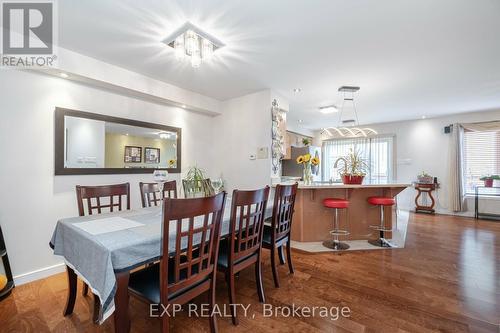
<point x="312" y="222"/>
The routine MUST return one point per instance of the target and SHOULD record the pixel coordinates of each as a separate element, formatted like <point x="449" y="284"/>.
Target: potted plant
<point x="425" y="178"/>
<point x="355" y="167"/>
<point x="194" y="183"/>
<point x="306" y="161"/>
<point x="488" y="180"/>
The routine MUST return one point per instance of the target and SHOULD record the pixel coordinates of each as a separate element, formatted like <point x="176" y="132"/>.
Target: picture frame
<point x="152" y="155"/>
<point x="133" y="154"/>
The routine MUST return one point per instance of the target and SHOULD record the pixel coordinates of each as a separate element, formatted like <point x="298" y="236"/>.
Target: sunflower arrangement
<point x="307" y="161"/>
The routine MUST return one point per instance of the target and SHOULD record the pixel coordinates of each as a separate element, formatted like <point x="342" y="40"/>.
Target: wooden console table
<point x="428" y="189"/>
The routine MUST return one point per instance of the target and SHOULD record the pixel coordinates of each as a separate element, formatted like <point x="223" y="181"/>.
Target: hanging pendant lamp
<point x="353" y="131"/>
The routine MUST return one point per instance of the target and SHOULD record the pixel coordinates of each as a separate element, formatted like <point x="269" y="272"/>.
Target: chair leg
<point x="70" y="302"/>
<point x="289" y="256"/>
<point x="258" y="278"/>
<point x="232" y="297"/>
<point x="274" y="267"/>
<point x="85" y="290"/>
<point x="164" y="323"/>
<point x="97" y="307"/>
<point x="281" y="255"/>
<point x="213" y="317"/>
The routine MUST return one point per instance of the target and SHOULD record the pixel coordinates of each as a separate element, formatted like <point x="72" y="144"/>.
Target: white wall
<point x="242" y="128"/>
<point x="421" y="145"/>
<point x="32" y="198"/>
<point x="84" y="143"/>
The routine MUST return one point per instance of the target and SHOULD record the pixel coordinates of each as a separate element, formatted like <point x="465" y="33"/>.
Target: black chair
<point x="278" y="233"/>
<point x="191" y="269"/>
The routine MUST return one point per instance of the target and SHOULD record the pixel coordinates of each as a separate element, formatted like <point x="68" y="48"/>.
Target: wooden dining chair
<point x="278" y="233"/>
<point x="243" y="246"/>
<point x="190" y="269"/>
<point x="197" y="188"/>
<point x="101" y="199"/>
<point x="150" y="193"/>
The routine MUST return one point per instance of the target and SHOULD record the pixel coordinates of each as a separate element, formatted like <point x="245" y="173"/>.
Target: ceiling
<point x="411" y="58"/>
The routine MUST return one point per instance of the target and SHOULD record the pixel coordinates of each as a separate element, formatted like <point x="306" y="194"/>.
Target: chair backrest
<point x="284" y="203"/>
<point x="106" y="196"/>
<point x="197" y="229"/>
<point x="197" y="188"/>
<point x="150" y="192"/>
<point x="247" y="223"/>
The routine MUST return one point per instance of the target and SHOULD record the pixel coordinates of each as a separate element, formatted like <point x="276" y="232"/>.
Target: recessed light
<point x="126" y="134"/>
<point x="300" y="121"/>
<point x="63" y="75"/>
<point x="423" y="117"/>
<point x="297" y="90"/>
<point x="183" y="106"/>
<point x="328" y="109"/>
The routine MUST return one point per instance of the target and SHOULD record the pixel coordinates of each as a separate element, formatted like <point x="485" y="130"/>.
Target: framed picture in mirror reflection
<point x="152" y="155"/>
<point x="133" y="154"/>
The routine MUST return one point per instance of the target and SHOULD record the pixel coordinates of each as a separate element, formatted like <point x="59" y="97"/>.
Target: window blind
<point x="481" y="157"/>
<point x="378" y="152"/>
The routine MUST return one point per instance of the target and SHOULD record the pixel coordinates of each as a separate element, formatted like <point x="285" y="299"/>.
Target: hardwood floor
<point x="446" y="279"/>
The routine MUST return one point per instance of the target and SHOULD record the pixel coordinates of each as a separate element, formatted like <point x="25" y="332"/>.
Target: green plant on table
<point x="492" y="177"/>
<point x="354" y="163"/>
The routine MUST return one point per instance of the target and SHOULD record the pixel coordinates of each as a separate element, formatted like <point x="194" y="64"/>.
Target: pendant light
<point x="354" y="130"/>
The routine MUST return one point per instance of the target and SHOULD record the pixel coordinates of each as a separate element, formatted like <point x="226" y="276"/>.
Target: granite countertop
<point x="328" y="185"/>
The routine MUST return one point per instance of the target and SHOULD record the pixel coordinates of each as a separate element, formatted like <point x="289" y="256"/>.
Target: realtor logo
<point x="28" y="30"/>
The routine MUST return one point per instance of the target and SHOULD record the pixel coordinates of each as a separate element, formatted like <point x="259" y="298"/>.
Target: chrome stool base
<point x="382" y="242"/>
<point x="337" y="246"/>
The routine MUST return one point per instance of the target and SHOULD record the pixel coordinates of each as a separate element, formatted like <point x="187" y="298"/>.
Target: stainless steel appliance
<point x="292" y="169"/>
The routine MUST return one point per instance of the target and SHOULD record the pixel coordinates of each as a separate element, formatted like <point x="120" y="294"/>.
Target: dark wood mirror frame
<point x="60" y="113"/>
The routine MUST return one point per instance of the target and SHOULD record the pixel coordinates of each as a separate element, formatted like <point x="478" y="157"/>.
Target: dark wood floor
<point x="446" y="279"/>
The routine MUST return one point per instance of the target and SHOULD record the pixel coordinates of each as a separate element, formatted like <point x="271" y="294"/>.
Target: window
<point x="481" y="157"/>
<point x="378" y="153"/>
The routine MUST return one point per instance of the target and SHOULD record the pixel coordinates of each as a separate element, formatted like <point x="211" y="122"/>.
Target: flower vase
<point x="307" y="177"/>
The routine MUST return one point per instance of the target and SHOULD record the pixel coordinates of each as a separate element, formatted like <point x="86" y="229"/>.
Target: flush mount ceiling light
<point x="351" y="131"/>
<point x="328" y="109"/>
<point x="193" y="43"/>
<point x="297" y="90"/>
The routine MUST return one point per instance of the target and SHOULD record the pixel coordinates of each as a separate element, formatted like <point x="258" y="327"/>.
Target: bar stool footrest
<point x="383" y="229"/>
<point x="340" y="233"/>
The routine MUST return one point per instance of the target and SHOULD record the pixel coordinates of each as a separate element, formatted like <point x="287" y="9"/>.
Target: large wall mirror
<point x="88" y="143"/>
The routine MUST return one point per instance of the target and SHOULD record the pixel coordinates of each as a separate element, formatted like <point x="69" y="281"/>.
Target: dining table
<point x="103" y="249"/>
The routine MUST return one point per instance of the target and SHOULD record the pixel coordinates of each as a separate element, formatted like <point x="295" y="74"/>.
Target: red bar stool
<point x="336" y="204"/>
<point x="382" y="202"/>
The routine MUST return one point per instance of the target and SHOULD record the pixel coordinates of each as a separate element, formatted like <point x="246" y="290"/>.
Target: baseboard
<point x="39" y="274"/>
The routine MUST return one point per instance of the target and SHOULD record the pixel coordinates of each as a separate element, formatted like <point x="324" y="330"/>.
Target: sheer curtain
<point x="378" y="152"/>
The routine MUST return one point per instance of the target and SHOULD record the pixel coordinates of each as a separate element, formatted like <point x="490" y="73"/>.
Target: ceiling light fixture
<point x="63" y="75"/>
<point x="164" y="135"/>
<point x="352" y="131"/>
<point x="297" y="90"/>
<point x="328" y="109"/>
<point x="193" y="43"/>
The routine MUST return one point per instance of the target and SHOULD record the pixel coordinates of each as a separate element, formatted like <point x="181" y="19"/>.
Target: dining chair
<point x="150" y="192"/>
<point x="97" y="198"/>
<point x="243" y="246"/>
<point x="277" y="234"/>
<point x="197" y="188"/>
<point x="190" y="270"/>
